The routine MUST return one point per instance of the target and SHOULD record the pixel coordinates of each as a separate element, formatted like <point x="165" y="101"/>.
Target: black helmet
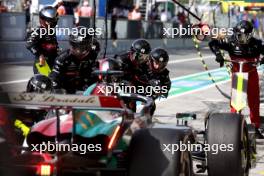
<point x="80" y="41"/>
<point x="159" y="59"/>
<point x="110" y="70"/>
<point x="39" y="83"/>
<point x="243" y="31"/>
<point x="140" y="49"/>
<point x="48" y="16"/>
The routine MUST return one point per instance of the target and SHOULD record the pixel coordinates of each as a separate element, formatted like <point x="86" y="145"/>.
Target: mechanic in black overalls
<point x="44" y="46"/>
<point x="73" y="68"/>
<point x="158" y="75"/>
<point x="134" y="65"/>
<point x="243" y="46"/>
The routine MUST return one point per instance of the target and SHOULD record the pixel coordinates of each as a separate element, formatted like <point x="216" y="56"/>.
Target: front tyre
<point x="147" y="155"/>
<point x="228" y="129"/>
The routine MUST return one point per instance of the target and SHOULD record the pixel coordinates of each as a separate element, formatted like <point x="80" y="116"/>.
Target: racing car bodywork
<point x="96" y="120"/>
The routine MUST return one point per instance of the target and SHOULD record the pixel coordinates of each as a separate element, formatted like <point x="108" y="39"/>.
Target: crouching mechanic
<point x="134" y="65"/>
<point x="134" y="62"/>
<point x="73" y="68"/>
<point x="157" y="77"/>
<point x="25" y="118"/>
<point x="243" y="46"/>
<point x="42" y="43"/>
<point x="159" y="74"/>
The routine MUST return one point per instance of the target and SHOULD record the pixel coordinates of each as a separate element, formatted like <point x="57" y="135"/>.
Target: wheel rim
<point x="244" y="154"/>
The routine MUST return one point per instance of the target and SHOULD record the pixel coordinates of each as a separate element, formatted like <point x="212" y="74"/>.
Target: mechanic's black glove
<point x="154" y="82"/>
<point x="142" y="78"/>
<point x="261" y="61"/>
<point x="219" y="58"/>
<point x="154" y="97"/>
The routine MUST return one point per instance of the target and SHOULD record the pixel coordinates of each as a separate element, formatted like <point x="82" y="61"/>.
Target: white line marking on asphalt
<point x="170" y="62"/>
<point x="173" y="79"/>
<point x="14" y="82"/>
<point x="18" y="62"/>
<point x="188" y="60"/>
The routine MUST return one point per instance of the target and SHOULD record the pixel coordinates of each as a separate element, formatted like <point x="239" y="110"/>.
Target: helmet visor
<point x="52" y="24"/>
<point x="140" y="58"/>
<point x="158" y="66"/>
<point x="243" y="38"/>
<point x="38" y="87"/>
<point x="79" y="50"/>
<point x="49" y="22"/>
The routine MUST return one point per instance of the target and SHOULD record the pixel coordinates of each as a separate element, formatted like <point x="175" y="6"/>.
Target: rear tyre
<point x="233" y="158"/>
<point x="148" y="155"/>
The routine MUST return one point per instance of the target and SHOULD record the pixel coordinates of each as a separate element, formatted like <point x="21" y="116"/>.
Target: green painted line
<point x="199" y="80"/>
<point x="196" y="81"/>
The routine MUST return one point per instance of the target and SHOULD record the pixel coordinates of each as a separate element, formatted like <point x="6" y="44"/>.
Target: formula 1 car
<point x="94" y="137"/>
<point x="102" y="124"/>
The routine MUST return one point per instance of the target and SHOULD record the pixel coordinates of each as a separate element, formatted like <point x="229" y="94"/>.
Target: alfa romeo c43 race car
<point x="93" y="137"/>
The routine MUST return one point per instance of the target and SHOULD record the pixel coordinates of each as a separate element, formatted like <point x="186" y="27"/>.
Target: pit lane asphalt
<point x="13" y="77"/>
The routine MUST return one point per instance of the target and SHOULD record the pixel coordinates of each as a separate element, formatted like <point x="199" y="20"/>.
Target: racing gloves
<point x="219" y="58"/>
<point x="154" y="82"/>
<point x="261" y="61"/>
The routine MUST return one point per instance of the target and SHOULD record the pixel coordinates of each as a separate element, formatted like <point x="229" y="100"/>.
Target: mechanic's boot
<point x="259" y="134"/>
